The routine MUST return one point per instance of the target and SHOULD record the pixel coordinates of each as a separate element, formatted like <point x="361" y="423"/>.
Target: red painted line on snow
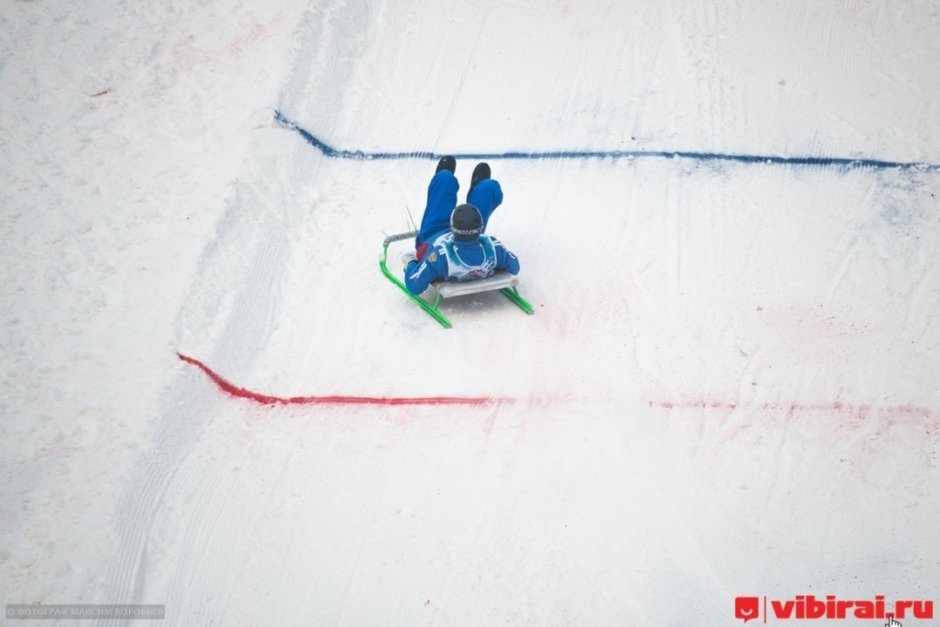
<point x="834" y="407"/>
<point x="239" y="392"/>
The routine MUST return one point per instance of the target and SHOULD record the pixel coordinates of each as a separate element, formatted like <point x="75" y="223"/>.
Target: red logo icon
<point x="747" y="608"/>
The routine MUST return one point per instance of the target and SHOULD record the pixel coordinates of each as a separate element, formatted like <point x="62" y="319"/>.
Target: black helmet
<point x="466" y="223"/>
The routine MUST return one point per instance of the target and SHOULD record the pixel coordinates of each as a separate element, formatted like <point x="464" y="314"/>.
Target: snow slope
<point x="729" y="386"/>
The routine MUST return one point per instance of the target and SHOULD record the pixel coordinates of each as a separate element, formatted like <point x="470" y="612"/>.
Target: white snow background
<point x="730" y="386"/>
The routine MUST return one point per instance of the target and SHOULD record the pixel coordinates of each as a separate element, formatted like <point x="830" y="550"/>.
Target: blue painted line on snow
<point x="846" y="162"/>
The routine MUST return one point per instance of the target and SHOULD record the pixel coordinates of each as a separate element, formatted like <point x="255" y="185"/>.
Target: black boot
<point x="446" y="163"/>
<point x="480" y="173"/>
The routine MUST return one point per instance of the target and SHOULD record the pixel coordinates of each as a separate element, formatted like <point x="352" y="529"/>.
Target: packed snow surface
<point x="728" y="224"/>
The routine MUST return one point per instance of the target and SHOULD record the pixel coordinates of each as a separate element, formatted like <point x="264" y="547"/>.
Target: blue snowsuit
<point x="448" y="258"/>
<point x="442" y="198"/>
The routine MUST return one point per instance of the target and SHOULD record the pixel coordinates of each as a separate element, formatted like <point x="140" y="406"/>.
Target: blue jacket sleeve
<point x="420" y="274"/>
<point x="505" y="260"/>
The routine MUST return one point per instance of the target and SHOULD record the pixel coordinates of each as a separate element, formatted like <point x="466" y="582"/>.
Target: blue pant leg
<point x="442" y="198"/>
<point x="486" y="196"/>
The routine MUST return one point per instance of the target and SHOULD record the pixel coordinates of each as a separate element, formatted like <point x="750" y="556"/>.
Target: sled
<point x="504" y="282"/>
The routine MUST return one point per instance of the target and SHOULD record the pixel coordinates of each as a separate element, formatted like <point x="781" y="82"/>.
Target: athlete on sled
<point x="451" y="244"/>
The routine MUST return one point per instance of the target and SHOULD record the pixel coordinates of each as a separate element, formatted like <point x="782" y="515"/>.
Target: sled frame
<point x="504" y="282"/>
